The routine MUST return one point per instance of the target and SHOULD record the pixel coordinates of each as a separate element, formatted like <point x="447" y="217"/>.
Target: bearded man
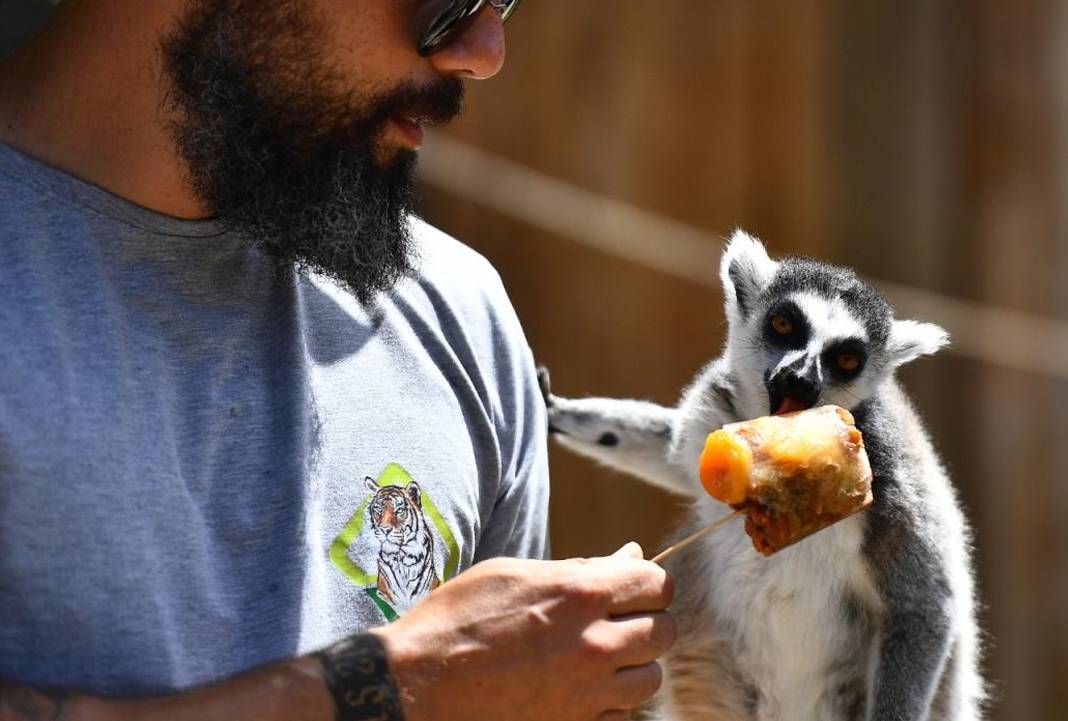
<point x="251" y="409"/>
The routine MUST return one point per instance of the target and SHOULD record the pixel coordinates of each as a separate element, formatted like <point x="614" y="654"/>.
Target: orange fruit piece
<point x="726" y="463"/>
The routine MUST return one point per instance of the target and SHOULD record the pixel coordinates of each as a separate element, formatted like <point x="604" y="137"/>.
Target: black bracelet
<point x="358" y="676"/>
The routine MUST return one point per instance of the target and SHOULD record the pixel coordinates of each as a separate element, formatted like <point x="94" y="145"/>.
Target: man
<point x="250" y="409"/>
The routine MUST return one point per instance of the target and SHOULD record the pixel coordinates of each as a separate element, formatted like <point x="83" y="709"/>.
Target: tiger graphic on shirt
<point x="406" y="546"/>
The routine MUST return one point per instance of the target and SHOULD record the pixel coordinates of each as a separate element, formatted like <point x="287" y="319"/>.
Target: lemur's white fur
<point x="799" y="636"/>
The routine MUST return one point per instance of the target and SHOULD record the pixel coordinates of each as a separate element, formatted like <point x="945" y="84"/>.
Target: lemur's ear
<point x="910" y="339"/>
<point x="744" y="271"/>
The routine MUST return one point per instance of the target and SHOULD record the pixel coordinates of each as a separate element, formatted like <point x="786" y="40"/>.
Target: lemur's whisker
<point x="750" y="355"/>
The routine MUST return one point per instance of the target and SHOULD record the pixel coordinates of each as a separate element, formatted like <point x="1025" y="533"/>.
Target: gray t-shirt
<point x="207" y="464"/>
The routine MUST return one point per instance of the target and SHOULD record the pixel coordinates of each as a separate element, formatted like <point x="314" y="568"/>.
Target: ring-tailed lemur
<point x="872" y="618"/>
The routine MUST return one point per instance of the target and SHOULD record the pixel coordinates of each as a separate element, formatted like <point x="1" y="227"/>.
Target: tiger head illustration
<point x="406" y="547"/>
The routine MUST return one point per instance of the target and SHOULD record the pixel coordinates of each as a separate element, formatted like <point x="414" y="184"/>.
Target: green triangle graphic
<point x="391" y="475"/>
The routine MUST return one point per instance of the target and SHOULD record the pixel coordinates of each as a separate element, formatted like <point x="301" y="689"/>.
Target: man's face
<point x="299" y="120"/>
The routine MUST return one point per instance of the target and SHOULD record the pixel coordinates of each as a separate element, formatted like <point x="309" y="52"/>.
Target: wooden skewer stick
<point x="695" y="536"/>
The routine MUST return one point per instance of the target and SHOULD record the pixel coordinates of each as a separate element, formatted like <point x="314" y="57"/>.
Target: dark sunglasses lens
<point x="447" y="19"/>
<point x="509" y="10"/>
<point x="452" y="18"/>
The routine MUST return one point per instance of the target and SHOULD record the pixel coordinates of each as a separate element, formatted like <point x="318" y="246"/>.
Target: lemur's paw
<point x="543" y="384"/>
<point x="550" y="400"/>
<point x="577" y="420"/>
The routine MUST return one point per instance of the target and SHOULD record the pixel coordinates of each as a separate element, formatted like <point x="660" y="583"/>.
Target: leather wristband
<point x="357" y="674"/>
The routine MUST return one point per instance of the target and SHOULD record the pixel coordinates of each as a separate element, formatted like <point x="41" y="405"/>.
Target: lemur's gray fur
<point x="871" y="619"/>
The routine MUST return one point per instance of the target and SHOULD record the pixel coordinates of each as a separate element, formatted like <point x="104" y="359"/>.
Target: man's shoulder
<point x="450" y="280"/>
<point x="459" y="284"/>
<point x="443" y="260"/>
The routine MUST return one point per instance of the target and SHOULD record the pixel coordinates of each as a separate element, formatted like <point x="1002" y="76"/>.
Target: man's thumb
<point x="630" y="550"/>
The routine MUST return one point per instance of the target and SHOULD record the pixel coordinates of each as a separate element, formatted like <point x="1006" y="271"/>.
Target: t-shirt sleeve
<point x="519" y="523"/>
<point x="483" y="326"/>
<point x="518" y="526"/>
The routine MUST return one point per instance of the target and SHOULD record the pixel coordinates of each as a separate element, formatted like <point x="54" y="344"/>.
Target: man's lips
<point x="410" y="131"/>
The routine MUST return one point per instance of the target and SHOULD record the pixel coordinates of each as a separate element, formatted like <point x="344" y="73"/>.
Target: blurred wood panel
<point x="658" y="105"/>
<point x="923" y="143"/>
<point x="1013" y="225"/>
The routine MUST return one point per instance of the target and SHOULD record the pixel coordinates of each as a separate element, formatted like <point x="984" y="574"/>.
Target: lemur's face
<point x="815" y="351"/>
<point x="805" y="333"/>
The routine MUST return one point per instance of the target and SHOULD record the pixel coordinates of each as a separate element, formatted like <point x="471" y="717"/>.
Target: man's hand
<point x="511" y="639"/>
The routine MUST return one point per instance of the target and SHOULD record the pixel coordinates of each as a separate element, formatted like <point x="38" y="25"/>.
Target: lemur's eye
<point x="848" y="362"/>
<point x="782" y="324"/>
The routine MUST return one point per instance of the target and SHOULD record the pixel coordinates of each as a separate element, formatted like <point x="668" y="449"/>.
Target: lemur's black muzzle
<point x="793" y="389"/>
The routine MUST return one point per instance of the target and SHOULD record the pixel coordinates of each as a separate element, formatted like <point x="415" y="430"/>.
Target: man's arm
<point x="507" y="640"/>
<point x="287" y="690"/>
<point x="27" y="704"/>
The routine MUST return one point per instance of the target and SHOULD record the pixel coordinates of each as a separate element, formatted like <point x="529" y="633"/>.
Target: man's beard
<point x="280" y="152"/>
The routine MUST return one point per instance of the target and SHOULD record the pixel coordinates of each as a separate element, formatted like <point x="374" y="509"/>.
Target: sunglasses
<point x="457" y="15"/>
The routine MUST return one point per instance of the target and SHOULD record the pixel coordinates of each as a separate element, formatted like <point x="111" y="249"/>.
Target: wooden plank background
<point x="921" y="142"/>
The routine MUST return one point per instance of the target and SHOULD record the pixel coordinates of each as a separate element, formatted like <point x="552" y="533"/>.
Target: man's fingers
<point x="636" y="684"/>
<point x="631" y="549"/>
<point x="631" y="687"/>
<point x="637" y="586"/>
<point x="631" y="640"/>
<point x="641" y="638"/>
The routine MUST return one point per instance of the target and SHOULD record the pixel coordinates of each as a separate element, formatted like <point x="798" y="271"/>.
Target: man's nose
<point x="478" y="52"/>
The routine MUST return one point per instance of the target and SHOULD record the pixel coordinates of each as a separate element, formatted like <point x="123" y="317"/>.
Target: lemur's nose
<point x="803" y="385"/>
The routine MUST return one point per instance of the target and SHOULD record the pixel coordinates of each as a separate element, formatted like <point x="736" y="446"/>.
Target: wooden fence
<point x="922" y="142"/>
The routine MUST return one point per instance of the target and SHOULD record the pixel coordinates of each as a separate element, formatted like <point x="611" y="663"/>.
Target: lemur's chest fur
<point x="794" y="617"/>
